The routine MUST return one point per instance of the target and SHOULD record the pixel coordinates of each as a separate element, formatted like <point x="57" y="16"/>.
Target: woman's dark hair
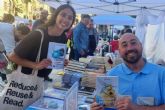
<point x="52" y="20"/>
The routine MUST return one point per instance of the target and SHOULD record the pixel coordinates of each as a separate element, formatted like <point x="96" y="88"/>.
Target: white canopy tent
<point x="127" y="7"/>
<point x="151" y="32"/>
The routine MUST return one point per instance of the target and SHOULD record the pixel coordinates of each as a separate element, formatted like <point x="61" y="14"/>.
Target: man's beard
<point x="134" y="59"/>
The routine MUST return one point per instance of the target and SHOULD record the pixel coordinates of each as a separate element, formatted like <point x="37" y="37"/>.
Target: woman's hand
<point x="43" y="64"/>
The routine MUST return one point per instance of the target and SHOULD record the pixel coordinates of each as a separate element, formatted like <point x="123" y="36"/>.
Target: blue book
<point x="56" y="53"/>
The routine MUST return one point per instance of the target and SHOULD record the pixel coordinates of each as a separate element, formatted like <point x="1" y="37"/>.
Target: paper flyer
<point x="56" y="52"/>
<point x="106" y="90"/>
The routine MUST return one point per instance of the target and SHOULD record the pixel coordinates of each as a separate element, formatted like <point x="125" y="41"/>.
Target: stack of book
<point x="101" y="61"/>
<point x="76" y="66"/>
<point x="89" y="79"/>
<point x="92" y="70"/>
<point x="117" y="61"/>
<point x="89" y="71"/>
<point x="94" y="67"/>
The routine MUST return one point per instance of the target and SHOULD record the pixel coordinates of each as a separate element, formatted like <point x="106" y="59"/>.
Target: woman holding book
<point x="54" y="31"/>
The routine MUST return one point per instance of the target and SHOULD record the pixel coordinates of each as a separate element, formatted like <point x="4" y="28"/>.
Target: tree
<point x="26" y="6"/>
<point x="15" y="7"/>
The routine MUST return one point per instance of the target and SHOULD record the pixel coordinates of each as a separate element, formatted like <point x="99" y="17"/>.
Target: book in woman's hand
<point x="56" y="53"/>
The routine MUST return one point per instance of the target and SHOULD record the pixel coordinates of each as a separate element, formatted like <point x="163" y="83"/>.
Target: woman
<point x="54" y="31"/>
<point x="20" y="32"/>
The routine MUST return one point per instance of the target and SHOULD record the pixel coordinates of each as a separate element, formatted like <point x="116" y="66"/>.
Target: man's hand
<point x="95" y="106"/>
<point x="124" y="103"/>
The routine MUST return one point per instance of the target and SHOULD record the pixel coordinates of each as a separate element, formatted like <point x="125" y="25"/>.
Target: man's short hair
<point x="8" y="18"/>
<point x="23" y="29"/>
<point x="85" y="16"/>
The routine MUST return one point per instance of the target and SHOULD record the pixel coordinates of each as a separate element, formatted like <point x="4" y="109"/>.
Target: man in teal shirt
<point x="141" y="84"/>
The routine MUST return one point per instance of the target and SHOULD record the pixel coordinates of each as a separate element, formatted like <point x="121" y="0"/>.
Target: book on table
<point x="106" y="90"/>
<point x="71" y="98"/>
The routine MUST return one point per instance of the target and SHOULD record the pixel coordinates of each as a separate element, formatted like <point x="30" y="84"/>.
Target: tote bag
<point x="22" y="90"/>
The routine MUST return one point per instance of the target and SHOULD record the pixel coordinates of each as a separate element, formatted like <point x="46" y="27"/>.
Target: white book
<point x="106" y="90"/>
<point x="56" y="52"/>
<point x="71" y="98"/>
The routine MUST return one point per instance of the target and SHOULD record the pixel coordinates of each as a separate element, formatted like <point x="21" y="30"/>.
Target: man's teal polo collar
<point x="129" y="71"/>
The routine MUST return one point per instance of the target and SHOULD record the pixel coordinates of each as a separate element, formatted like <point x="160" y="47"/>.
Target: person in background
<point x="128" y="30"/>
<point x="41" y="21"/>
<point x="30" y="25"/>
<point x="7" y="36"/>
<point x="26" y="51"/>
<point x="20" y="32"/>
<point x="69" y="35"/>
<point x="114" y="44"/>
<point x="125" y="30"/>
<point x="70" y="50"/>
<point x="81" y="38"/>
<point x="7" y="32"/>
<point x="93" y="38"/>
<point x="141" y="84"/>
<point x="75" y="23"/>
<point x="3" y="62"/>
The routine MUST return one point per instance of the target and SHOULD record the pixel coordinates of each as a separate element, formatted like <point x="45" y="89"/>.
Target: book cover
<point x="71" y="98"/>
<point x="56" y="52"/>
<point x="106" y="90"/>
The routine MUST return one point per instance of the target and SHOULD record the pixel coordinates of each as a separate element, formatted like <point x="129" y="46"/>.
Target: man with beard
<point x="141" y="84"/>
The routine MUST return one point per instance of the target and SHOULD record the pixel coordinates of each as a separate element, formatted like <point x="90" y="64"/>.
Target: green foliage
<point x="26" y="1"/>
<point x="19" y="9"/>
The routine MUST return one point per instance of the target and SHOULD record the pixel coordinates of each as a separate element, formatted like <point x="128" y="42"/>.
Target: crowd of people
<point x="11" y="35"/>
<point x="139" y="79"/>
